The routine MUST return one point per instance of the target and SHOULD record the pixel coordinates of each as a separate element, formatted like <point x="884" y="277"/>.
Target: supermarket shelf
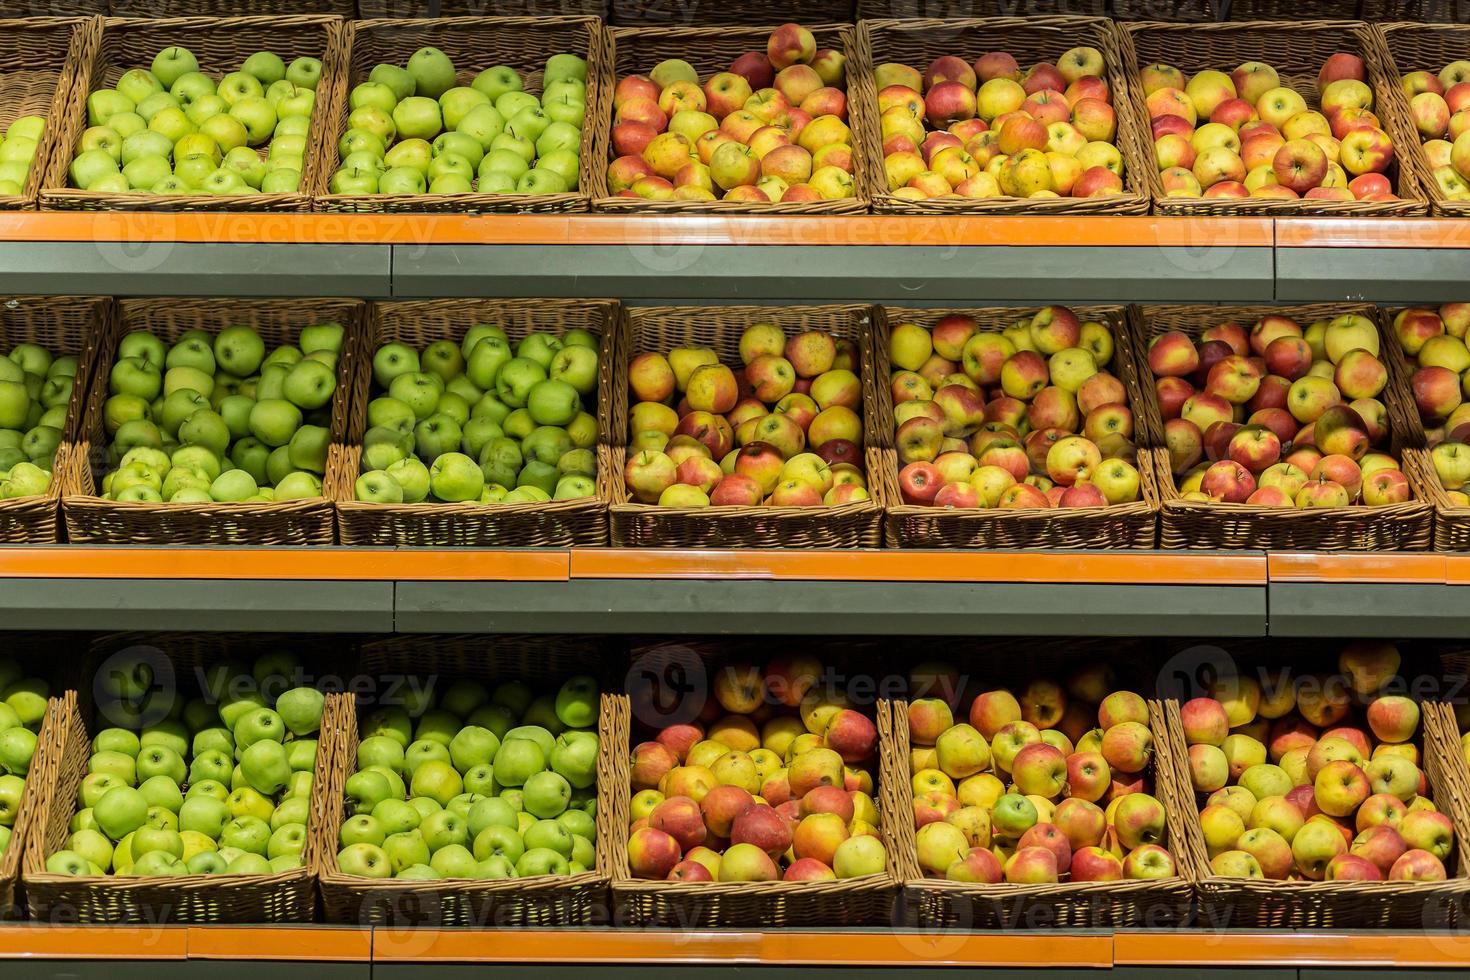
<point x="1393" y="261"/>
<point x="305" y="951"/>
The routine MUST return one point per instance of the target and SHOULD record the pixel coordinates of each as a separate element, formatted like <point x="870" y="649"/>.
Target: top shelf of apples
<point x="772" y="128"/>
<point x="1277" y="415"/>
<point x="1439" y="106"/>
<point x="414" y="130"/>
<point x="1018" y="418"/>
<point x="1250" y="133"/>
<point x="1046" y="132"/>
<point x="173" y="130"/>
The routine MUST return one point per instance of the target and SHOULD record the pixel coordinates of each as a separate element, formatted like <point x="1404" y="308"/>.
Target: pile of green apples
<point x="217" y="418"/>
<point x="486" y="784"/>
<point x="172" y="129"/>
<point x="22" y="708"/>
<point x="18" y="152"/>
<point x="482" y="420"/>
<point x="222" y="786"/>
<point x="35" y="388"/>
<point x="414" y="130"/>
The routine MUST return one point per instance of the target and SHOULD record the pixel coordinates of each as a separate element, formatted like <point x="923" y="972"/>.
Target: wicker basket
<point x="1195" y="524"/>
<point x="1030" y="39"/>
<point x="483" y="903"/>
<point x="916" y="9"/>
<point x="1246" y="10"/>
<point x="1416" y="47"/>
<point x="399" y="9"/>
<point x="691" y="13"/>
<point x="1297" y="49"/>
<point x="221" y="45"/>
<point x="1263" y="903"/>
<point x="635" y="50"/>
<point x="44" y="53"/>
<point x="76" y="325"/>
<point x="939" y="903"/>
<point x="553" y="524"/>
<point x="91" y="519"/>
<point x="20" y="9"/>
<point x="868" y="901"/>
<point x="221" y="8"/>
<point x="178" y="658"/>
<point x="473" y="44"/>
<point x="1441" y="726"/>
<point x="1440" y="11"/>
<point x="913" y="526"/>
<point x="1175" y="11"/>
<point x="32" y="804"/>
<point x="855" y="525"/>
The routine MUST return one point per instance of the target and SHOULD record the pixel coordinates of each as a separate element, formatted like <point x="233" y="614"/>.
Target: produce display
<point x="1435" y="339"/>
<point x="481" y="421"/>
<point x="1342" y="797"/>
<point x="993" y="130"/>
<point x="1277" y="415"/>
<point x="773" y="782"/>
<point x="171" y="129"/>
<point x="23" y="702"/>
<point x="218" y="419"/>
<point x="1039" y="786"/>
<point x="1020" y="417"/>
<point x="415" y="130"/>
<point x="1438" y="105"/>
<point x="771" y="128"/>
<point x="219" y="786"/>
<point x="18" y="152"/>
<point x="35" y="389"/>
<point x="784" y="429"/>
<point x="475" y="783"/>
<point x="1248" y="132"/>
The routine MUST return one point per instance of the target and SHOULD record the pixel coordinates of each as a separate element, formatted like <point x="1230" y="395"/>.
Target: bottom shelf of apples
<point x="759" y="800"/>
<point x="466" y="796"/>
<point x="1039" y="800"/>
<point x="1307" y="781"/>
<point x="200" y="792"/>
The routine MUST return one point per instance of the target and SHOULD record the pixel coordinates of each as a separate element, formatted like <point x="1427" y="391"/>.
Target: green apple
<point x="454" y="861"/>
<point x="438" y="781"/>
<point x="417" y="118"/>
<point x="566" y="110"/>
<point x="154" y="104"/>
<point x="517" y="145"/>
<point x="266" y="766"/>
<point x="120" y="811"/>
<point x="424" y="750"/>
<point x="365" y="790"/>
<point x="288" y="840"/>
<point x="433" y="73"/>
<point x="412" y="477"/>
<point x="574" y="757"/>
<point x="577" y="462"/>
<point x="147" y="840"/>
<point x="68" y="863"/>
<point x="517" y="760"/>
<point x="118" y="765"/>
<point x="162" y="791"/>
<point x="250" y="834"/>
<point x="510" y="103"/>
<point x="565" y="164"/>
<point x="171" y="122"/>
<point x="392" y="361"/>
<point x="215" y="738"/>
<point x="233" y="487"/>
<point x="204" y="814"/>
<point x="383" y="446"/>
<point x="307" y="449"/>
<point x="91" y="166"/>
<point x="301" y="710"/>
<point x="473" y="746"/>
<point x="380" y="750"/>
<point x="205" y="108"/>
<point x="256" y="115"/>
<point x="304" y="73"/>
<point x="237" y="86"/>
<point x="443" y="829"/>
<point x="516" y="378"/>
<point x="211" y="764"/>
<point x="482" y="124"/>
<point x="206" y="863"/>
<point x="563" y="66"/>
<point x="546" y="794"/>
<point x="205" y="428"/>
<point x="454" y="477"/>
<point x="161" y="760"/>
<point x="194" y="170"/>
<point x="553" y="403"/>
<point x="274" y="420"/>
<point x="480" y="780"/>
<point x="104" y="104"/>
<point x="250" y="455"/>
<point x="436" y="435"/>
<point x="458" y="102"/>
<point x="283" y="181"/>
<point x="582" y="430"/>
<point x="249" y="864"/>
<point x="170" y="63"/>
<point x="138" y="83"/>
<point x="542" y="861"/>
<point x="239" y="350"/>
<point x="265" y="66"/>
<point x="107" y="740"/>
<point x="550" y="835"/>
<point x="419" y="391"/>
<point x="406" y="849"/>
<point x="364" y="861"/>
<point x="227" y="131"/>
<point x="541" y="181"/>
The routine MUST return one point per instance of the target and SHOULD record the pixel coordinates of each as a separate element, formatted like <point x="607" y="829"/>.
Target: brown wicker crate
<point x="52" y="8"/>
<point x="1194" y="524"/>
<point x="1264" y="903"/>
<point x="635" y="50"/>
<point x="554" y="524"/>
<point x="43" y="53"/>
<point x="474" y="44"/>
<point x="1246" y="10"/>
<point x="76" y="325"/>
<point x="855" y="525"/>
<point x="288" y="896"/>
<point x="221" y="8"/>
<point x="221" y="45"/>
<point x="934" y="902"/>
<point x="1178" y="11"/>
<point x="90" y="518"/>
<point x="1029" y="39"/>
<point x="1442" y="726"/>
<point x="1297" y="49"/>
<point x="398" y="9"/>
<point x="541" y="901"/>
<point x="1421" y="47"/>
<point x="915" y="9"/>
<point x="866" y="901"/>
<point x="691" y="13"/>
<point x="1442" y="11"/>
<point x="912" y="526"/>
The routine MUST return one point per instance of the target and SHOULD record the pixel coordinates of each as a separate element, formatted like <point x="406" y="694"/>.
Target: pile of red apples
<point x="992" y="130"/>
<point x="784" y="429"/>
<point x="1044" y="785"/>
<point x="1248" y="133"/>
<point x="772" y="128"/>
<point x="1018" y="418"/>
<point x="1439" y="107"/>
<point x="1275" y="415"/>
<point x="1315" y="778"/>
<point x="773" y="782"/>
<point x="1440" y="383"/>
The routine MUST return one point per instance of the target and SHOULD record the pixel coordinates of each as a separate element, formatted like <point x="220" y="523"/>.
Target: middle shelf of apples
<point x="563" y="780"/>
